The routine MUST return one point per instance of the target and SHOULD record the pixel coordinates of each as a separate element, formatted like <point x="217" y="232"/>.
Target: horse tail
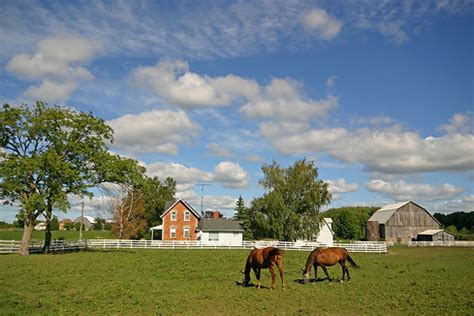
<point x="352" y="262"/>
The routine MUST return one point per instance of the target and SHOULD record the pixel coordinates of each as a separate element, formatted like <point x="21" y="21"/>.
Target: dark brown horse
<point x="263" y="258"/>
<point x="325" y="257"/>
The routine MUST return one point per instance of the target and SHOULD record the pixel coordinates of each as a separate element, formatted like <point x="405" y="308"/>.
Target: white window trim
<point x="189" y="216"/>
<point x="171" y="232"/>
<point x="184" y="232"/>
<point x="175" y="215"/>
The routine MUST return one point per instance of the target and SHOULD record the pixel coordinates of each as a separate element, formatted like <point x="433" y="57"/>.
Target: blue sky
<point x="378" y="93"/>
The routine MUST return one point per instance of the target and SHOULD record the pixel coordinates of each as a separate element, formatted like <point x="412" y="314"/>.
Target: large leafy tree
<point x="48" y="153"/>
<point x="290" y="207"/>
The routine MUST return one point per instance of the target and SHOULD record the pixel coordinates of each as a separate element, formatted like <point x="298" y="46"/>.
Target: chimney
<point x="216" y="214"/>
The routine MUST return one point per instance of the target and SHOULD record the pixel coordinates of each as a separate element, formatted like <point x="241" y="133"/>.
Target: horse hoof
<point x="342" y="281"/>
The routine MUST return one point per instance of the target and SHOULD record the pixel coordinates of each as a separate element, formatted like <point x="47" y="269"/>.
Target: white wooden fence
<point x="13" y="246"/>
<point x="36" y="246"/>
<point x="455" y="243"/>
<point x="375" y="247"/>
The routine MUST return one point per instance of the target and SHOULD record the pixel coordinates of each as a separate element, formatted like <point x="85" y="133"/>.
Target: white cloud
<point x="319" y="21"/>
<point x="284" y="99"/>
<point x="226" y="173"/>
<point x="389" y="150"/>
<point x="460" y="123"/>
<point x="339" y="186"/>
<point x="464" y="204"/>
<point x="223" y="203"/>
<point x="155" y="131"/>
<point x="51" y="91"/>
<point x="58" y="63"/>
<point x="280" y="99"/>
<point x="231" y="175"/>
<point x="172" y="80"/>
<point x="403" y="191"/>
<point x="186" y="177"/>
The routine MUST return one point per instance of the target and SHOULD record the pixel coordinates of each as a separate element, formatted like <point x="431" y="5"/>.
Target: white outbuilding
<point x="220" y="231"/>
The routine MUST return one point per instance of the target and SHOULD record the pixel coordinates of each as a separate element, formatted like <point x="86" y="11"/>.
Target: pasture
<point x="404" y="281"/>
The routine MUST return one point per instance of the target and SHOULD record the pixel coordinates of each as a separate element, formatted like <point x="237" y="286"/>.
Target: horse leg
<point x="326" y="272"/>
<point x="272" y="271"/>
<point x="347" y="272"/>
<point x="257" y="274"/>
<point x="280" y="268"/>
<point x="315" y="272"/>
<point x="343" y="267"/>
<point x="255" y="270"/>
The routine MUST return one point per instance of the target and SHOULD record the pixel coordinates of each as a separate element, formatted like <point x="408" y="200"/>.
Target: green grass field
<point x="15" y="234"/>
<point x="404" y="281"/>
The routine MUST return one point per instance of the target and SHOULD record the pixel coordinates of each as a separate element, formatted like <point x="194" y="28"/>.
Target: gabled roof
<point x="219" y="225"/>
<point x="89" y="218"/>
<point x="189" y="207"/>
<point x="383" y="214"/>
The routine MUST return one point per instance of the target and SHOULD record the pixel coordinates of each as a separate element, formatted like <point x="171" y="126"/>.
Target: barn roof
<point x="219" y="225"/>
<point x="189" y="207"/>
<point x="383" y="214"/>
<point x="433" y="232"/>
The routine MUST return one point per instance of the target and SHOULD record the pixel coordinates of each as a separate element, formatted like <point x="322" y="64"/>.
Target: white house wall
<point x="225" y="239"/>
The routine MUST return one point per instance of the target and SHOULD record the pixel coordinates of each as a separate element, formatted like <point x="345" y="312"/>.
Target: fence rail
<point x="13" y="246"/>
<point x="374" y="247"/>
<point x="455" y="243"/>
<point x="36" y="246"/>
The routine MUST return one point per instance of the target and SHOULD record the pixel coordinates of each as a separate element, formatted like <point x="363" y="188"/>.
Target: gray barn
<point x="401" y="222"/>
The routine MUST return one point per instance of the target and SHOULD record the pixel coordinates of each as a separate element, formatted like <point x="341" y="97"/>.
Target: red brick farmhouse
<point x="180" y="221"/>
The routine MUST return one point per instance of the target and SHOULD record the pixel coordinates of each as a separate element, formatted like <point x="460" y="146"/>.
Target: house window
<point x="186" y="233"/>
<point x="213" y="236"/>
<point x="173" y="216"/>
<point x="187" y="216"/>
<point x="172" y="232"/>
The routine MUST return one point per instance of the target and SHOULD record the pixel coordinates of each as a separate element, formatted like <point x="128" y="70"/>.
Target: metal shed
<point x="435" y="235"/>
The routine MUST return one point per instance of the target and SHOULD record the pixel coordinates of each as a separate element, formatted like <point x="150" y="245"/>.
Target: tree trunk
<point x="47" y="233"/>
<point x="26" y="238"/>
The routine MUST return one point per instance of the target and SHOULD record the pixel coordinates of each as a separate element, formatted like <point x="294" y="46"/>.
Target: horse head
<point x="306" y="276"/>
<point x="246" y="279"/>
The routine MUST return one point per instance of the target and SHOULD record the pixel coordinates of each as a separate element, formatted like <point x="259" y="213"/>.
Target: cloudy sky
<point x="378" y="93"/>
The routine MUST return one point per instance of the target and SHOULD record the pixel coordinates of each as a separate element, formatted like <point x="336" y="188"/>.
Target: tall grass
<point x="404" y="281"/>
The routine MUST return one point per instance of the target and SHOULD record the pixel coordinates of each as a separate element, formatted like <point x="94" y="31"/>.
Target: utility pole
<point x="202" y="195"/>
<point x="82" y="220"/>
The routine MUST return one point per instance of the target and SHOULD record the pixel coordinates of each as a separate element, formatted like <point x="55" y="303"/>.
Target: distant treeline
<point x="461" y="224"/>
<point x="350" y="222"/>
<point x="459" y="219"/>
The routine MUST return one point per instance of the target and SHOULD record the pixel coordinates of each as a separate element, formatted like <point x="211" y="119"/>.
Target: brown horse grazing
<point x="324" y="257"/>
<point x="263" y="258"/>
